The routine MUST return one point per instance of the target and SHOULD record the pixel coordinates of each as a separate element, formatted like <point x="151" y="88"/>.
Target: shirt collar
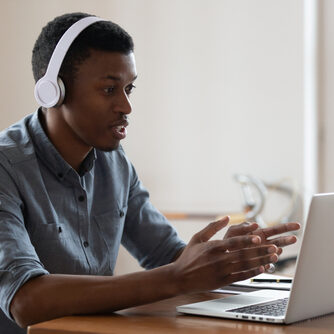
<point x="49" y="154"/>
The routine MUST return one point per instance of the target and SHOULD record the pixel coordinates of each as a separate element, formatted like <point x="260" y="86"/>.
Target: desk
<point x="161" y="317"/>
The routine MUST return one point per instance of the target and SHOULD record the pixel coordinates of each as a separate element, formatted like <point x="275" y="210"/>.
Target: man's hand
<point x="205" y="264"/>
<point x="265" y="233"/>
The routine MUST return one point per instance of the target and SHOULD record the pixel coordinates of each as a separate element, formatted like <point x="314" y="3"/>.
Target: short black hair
<point x="101" y="35"/>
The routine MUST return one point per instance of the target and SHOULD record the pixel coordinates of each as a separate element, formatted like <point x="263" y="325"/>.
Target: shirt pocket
<point x="110" y="227"/>
<point x="49" y="231"/>
<point x="55" y="248"/>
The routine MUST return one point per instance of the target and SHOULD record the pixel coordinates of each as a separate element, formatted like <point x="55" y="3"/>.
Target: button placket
<point x="83" y="223"/>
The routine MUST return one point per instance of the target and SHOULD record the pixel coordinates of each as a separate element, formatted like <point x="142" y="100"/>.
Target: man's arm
<point x="203" y="265"/>
<point x="52" y="296"/>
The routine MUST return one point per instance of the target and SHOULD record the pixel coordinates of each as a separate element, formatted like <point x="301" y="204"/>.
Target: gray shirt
<point x="56" y="220"/>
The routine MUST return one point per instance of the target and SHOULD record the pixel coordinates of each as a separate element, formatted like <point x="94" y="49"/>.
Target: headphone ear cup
<point x="49" y="91"/>
<point x="62" y="92"/>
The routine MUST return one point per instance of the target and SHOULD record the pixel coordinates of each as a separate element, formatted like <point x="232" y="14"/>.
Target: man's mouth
<point x="119" y="131"/>
<point x="121" y="128"/>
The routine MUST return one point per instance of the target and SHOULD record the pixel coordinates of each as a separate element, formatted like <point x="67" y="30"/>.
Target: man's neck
<point x="61" y="136"/>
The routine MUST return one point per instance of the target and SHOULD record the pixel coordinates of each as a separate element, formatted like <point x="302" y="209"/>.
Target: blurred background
<point x="232" y="110"/>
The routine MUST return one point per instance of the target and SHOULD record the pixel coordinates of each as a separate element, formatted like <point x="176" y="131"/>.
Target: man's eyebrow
<point x="112" y="77"/>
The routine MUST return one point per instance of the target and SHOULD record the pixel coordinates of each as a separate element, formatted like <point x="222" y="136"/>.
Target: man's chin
<point x="108" y="148"/>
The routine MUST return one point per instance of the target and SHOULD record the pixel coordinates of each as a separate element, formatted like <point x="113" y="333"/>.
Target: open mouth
<point x="120" y="128"/>
<point x="119" y="131"/>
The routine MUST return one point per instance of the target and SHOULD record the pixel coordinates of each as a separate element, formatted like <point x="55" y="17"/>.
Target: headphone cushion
<point x="49" y="93"/>
<point x="61" y="92"/>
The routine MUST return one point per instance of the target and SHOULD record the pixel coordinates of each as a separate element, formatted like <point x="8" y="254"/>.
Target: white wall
<point x="326" y="101"/>
<point x="220" y="90"/>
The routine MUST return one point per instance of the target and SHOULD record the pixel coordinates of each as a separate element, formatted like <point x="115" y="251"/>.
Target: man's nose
<point x="123" y="104"/>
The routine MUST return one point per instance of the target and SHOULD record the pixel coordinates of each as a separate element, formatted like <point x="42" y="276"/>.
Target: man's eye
<point x="129" y="89"/>
<point x="108" y="90"/>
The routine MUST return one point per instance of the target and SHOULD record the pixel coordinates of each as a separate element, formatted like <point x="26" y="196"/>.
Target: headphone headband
<point x="47" y="91"/>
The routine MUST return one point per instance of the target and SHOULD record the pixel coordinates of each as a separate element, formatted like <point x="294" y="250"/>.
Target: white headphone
<point x="50" y="90"/>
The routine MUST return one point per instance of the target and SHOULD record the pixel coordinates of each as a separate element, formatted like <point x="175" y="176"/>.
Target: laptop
<point x="312" y="291"/>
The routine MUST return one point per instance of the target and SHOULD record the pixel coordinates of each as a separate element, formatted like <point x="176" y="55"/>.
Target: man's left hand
<point x="266" y="233"/>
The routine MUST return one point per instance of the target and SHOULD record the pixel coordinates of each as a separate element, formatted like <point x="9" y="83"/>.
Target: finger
<point x="239" y="242"/>
<point x="283" y="241"/>
<point x="253" y="263"/>
<point x="248" y="253"/>
<point x="277" y="229"/>
<point x="240" y="276"/>
<point x="241" y="229"/>
<point x="270" y="268"/>
<point x="210" y="230"/>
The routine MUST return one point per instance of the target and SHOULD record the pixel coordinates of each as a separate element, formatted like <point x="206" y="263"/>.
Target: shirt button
<point x="81" y="198"/>
<point x="86" y="244"/>
<point x="121" y="214"/>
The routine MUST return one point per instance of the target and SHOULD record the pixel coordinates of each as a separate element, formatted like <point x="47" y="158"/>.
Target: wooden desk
<point x="162" y="318"/>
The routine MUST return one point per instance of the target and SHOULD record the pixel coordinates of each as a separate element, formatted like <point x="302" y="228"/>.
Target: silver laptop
<point x="312" y="291"/>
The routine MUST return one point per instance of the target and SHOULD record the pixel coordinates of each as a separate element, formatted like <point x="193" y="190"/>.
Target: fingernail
<point x="273" y="258"/>
<point x="272" y="249"/>
<point x="271" y="268"/>
<point x="256" y="240"/>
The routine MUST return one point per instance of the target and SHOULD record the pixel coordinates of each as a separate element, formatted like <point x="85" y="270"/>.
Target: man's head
<point x="102" y="36"/>
<point x="98" y="72"/>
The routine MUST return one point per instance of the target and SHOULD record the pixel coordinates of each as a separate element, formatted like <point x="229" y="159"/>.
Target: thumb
<point x="210" y="230"/>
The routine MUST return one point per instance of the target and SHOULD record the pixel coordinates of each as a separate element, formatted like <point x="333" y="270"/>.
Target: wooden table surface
<point x="161" y="317"/>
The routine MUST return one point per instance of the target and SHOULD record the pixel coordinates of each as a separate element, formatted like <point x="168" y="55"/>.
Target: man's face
<point x="97" y="102"/>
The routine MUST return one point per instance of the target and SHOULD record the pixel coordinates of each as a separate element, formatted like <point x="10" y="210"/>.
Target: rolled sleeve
<point x="148" y="235"/>
<point x="12" y="280"/>
<point x="18" y="259"/>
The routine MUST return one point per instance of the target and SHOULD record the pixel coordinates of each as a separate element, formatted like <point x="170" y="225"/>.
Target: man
<point x="69" y="196"/>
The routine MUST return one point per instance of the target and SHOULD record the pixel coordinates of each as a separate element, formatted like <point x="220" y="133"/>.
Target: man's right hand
<point x="209" y="264"/>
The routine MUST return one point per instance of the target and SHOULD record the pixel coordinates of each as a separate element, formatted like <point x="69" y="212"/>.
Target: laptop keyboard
<point x="275" y="308"/>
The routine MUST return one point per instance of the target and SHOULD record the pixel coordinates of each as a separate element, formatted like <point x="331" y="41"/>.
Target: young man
<point x="69" y="196"/>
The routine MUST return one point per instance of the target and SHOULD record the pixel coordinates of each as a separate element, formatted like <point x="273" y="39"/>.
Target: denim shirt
<point x="56" y="220"/>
